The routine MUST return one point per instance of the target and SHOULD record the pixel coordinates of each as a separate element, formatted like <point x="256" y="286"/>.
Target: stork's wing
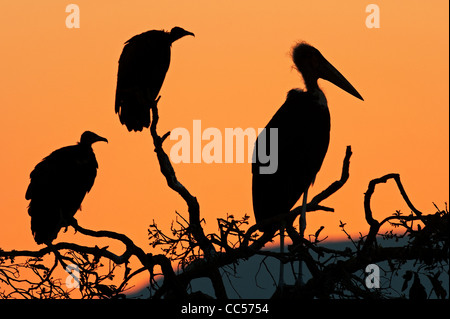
<point x="302" y="142"/>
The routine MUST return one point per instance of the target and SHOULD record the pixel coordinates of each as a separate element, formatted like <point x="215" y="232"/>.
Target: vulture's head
<point x="89" y="138"/>
<point x="177" y="33"/>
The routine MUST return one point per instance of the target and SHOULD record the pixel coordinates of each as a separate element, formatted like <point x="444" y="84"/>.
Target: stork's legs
<point x="302" y="227"/>
<point x="303" y="215"/>
<point x="281" y="278"/>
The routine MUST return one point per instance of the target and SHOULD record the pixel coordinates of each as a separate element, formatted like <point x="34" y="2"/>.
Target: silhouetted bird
<point x="303" y="124"/>
<point x="58" y="185"/>
<point x="143" y="65"/>
<point x="303" y="128"/>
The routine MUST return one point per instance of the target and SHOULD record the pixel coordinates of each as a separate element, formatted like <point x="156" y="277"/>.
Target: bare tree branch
<point x="172" y="181"/>
<point x="205" y="255"/>
<point x="373" y="223"/>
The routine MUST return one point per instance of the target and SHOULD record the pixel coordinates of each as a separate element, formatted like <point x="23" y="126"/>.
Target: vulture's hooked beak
<point x="102" y="139"/>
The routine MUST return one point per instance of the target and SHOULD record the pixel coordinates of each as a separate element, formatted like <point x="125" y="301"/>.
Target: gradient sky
<point x="58" y="82"/>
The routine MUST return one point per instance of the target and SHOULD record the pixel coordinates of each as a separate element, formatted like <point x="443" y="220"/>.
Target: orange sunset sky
<point x="57" y="82"/>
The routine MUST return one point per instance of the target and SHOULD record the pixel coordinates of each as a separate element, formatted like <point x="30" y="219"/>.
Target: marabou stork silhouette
<point x="143" y="65"/>
<point x="58" y="185"/>
<point x="303" y="127"/>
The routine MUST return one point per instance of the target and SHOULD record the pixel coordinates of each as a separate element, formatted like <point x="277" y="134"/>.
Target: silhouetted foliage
<point x="335" y="273"/>
<point x="188" y="252"/>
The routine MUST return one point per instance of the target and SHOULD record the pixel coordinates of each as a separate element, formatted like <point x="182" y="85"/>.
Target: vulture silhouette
<point x="143" y="65"/>
<point x="58" y="185"/>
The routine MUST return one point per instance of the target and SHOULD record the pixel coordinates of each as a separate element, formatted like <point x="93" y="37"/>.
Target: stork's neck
<point x="313" y="88"/>
<point x="310" y="83"/>
<point x="318" y="95"/>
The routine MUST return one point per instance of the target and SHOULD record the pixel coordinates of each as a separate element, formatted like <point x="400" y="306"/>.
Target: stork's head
<point x="312" y="65"/>
<point x="89" y="138"/>
<point x="177" y="33"/>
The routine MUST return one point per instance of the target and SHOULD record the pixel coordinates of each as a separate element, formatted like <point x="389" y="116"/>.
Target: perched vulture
<point x="58" y="185"/>
<point x="143" y="65"/>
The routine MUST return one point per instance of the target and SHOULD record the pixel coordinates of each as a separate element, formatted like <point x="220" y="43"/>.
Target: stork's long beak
<point x="330" y="73"/>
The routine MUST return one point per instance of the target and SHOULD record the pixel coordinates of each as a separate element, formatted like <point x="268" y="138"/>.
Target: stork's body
<point x="303" y="124"/>
<point x="143" y="65"/>
<point x="303" y="128"/>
